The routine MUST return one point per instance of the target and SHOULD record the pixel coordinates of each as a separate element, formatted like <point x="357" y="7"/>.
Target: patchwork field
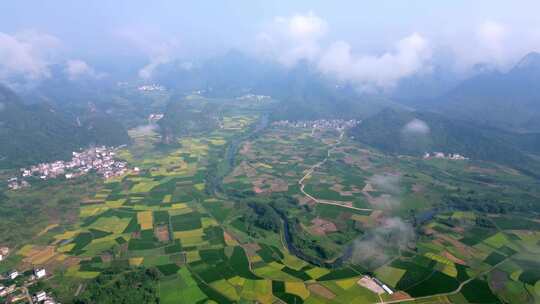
<point x="297" y="216"/>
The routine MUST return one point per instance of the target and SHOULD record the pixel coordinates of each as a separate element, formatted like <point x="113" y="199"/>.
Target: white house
<point x="387" y="289"/>
<point x="13" y="274"/>
<point x="1" y="257"/>
<point x="41" y="296"/>
<point x="40" y="273"/>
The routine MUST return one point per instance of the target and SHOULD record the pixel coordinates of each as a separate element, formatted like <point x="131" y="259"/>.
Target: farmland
<point x="299" y="215"/>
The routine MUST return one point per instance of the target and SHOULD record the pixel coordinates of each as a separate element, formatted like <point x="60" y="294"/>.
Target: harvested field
<point x="145" y="219"/>
<point x="452" y="258"/>
<point x="368" y="283"/>
<point x="38" y="255"/>
<point x="322" y="227"/>
<point x="162" y="233"/>
<point x="322" y="291"/>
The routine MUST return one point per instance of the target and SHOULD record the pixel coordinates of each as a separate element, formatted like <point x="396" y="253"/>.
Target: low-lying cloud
<point x="373" y="248"/>
<point x="159" y="50"/>
<point x="388" y="183"/>
<point x="27" y="55"/>
<point x="300" y="37"/>
<point x="292" y="39"/>
<point x="411" y="55"/>
<point x="416" y="126"/>
<point x="76" y="68"/>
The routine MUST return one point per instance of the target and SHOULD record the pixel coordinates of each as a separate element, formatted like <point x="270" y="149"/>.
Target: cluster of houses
<point x="17" y="289"/>
<point x="151" y="87"/>
<point x="97" y="159"/>
<point x="259" y="98"/>
<point x="337" y="124"/>
<point x="15" y="183"/>
<point x="441" y="155"/>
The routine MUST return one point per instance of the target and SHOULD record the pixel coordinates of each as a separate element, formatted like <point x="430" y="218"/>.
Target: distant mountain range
<point x="31" y="133"/>
<point x="509" y="100"/>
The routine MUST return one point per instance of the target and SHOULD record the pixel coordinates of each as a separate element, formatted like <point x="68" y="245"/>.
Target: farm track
<point x="313" y="168"/>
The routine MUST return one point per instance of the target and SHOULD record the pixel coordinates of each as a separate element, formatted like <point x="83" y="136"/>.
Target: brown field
<point x="229" y="239"/>
<point x="322" y="291"/>
<point x="452" y="258"/>
<point x="368" y="283"/>
<point x="400" y="295"/>
<point x="251" y="248"/>
<point x="162" y="233"/>
<point x="322" y="227"/>
<point x="39" y="255"/>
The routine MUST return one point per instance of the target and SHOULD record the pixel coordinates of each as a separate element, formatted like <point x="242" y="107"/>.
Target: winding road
<point x="317" y="165"/>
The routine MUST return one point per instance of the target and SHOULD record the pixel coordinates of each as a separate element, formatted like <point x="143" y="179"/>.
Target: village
<point x="151" y="87"/>
<point x="336" y="124"/>
<point x="100" y="160"/>
<point x="18" y="287"/>
<point x="259" y="98"/>
<point x="441" y="155"/>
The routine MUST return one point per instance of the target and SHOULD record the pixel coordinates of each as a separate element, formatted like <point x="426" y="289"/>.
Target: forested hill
<point x="401" y="132"/>
<point x="40" y="132"/>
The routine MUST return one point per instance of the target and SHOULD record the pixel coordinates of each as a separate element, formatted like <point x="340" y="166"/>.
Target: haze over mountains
<point x="489" y="100"/>
<point x="313" y="64"/>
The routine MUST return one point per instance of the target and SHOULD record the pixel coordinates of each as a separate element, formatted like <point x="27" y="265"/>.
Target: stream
<point x="216" y="185"/>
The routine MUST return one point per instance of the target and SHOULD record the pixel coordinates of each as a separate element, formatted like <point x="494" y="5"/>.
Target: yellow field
<point x="136" y="261"/>
<point x="347" y="283"/>
<point x="87" y="211"/>
<point x="188" y="233"/>
<point x="297" y="288"/>
<point x="115" y="204"/>
<point x="145" y="219"/>
<point x="144" y="187"/>
<point x="450" y="270"/>
<point x="317" y="272"/>
<point x="66" y="248"/>
<point x="25" y="250"/>
<point x="67" y="235"/>
<point x="208" y="222"/>
<point x="237" y="281"/>
<point x="439" y="258"/>
<point x="192" y="256"/>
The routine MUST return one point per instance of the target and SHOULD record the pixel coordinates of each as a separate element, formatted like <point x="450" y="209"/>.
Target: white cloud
<point x="301" y="37"/>
<point x="494" y="43"/>
<point x="76" y="68"/>
<point x="160" y="50"/>
<point x="488" y="46"/>
<point x="416" y="126"/>
<point x="411" y="55"/>
<point x="291" y="39"/>
<point x="27" y="54"/>
<point x="391" y="233"/>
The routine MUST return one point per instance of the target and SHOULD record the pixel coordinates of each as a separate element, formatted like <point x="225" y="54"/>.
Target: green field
<point x="214" y="231"/>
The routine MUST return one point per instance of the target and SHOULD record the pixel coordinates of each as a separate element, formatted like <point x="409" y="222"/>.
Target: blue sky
<point x="156" y="32"/>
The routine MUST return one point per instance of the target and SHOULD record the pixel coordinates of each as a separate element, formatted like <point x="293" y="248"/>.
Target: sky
<point x="373" y="43"/>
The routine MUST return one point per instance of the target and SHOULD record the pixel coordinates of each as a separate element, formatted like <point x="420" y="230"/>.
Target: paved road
<point x="313" y="168"/>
